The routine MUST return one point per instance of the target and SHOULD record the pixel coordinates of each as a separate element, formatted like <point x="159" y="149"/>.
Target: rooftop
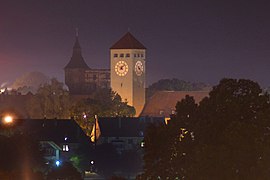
<point x="128" y="41"/>
<point x="162" y="103"/>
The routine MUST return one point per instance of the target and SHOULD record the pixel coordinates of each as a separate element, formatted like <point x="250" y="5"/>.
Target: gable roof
<point x="54" y="130"/>
<point x="128" y="41"/>
<point x="125" y="126"/>
<point x="163" y="103"/>
<point x="77" y="60"/>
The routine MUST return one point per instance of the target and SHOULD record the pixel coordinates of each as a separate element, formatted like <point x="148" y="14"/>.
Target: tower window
<point x="122" y="55"/>
<point x="127" y="55"/>
<point x="115" y="55"/>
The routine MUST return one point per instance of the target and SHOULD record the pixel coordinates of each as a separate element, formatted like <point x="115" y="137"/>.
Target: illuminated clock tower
<point x="128" y="71"/>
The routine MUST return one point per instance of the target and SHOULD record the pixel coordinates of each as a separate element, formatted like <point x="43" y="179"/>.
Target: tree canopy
<point x="175" y="85"/>
<point x="52" y="100"/>
<point x="226" y="136"/>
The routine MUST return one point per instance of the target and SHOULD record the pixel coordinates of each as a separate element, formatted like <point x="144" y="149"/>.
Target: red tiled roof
<point x="128" y="41"/>
<point x="162" y="103"/>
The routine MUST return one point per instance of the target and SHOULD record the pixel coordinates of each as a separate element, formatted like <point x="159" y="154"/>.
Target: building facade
<point x="128" y="71"/>
<point x="126" y="75"/>
<point x="81" y="79"/>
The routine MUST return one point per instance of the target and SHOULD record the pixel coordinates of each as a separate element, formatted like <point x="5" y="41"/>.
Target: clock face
<point x="121" y="68"/>
<point x="139" y="68"/>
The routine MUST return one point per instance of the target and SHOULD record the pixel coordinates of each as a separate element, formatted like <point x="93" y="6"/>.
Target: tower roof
<point x="128" y="41"/>
<point x="77" y="60"/>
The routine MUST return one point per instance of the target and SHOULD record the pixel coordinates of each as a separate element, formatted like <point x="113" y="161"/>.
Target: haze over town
<point x="198" y="41"/>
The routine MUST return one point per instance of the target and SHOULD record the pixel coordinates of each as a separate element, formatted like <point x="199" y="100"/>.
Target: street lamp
<point x="8" y="119"/>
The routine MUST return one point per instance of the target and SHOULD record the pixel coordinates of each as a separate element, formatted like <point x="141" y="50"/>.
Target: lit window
<point x="65" y="148"/>
<point x="115" y="55"/>
<point x="142" y="144"/>
<point x="122" y="55"/>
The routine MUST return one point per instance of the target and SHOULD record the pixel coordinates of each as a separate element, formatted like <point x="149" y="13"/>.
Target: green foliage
<point x="104" y="103"/>
<point x="50" y="101"/>
<point x="226" y="136"/>
<point x="174" y="85"/>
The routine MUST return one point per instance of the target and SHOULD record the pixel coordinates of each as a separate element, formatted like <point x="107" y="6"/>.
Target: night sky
<point x="193" y="40"/>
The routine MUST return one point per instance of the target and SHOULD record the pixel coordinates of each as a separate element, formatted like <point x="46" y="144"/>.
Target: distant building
<point x="60" y="139"/>
<point x="125" y="133"/>
<point x="128" y="71"/>
<point x="81" y="79"/>
<point x="126" y="76"/>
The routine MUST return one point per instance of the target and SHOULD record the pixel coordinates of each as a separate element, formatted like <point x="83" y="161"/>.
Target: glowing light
<point x="57" y="163"/>
<point x="92" y="162"/>
<point x="8" y="119"/>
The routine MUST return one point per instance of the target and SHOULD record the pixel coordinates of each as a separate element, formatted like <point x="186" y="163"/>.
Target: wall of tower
<point x="130" y="87"/>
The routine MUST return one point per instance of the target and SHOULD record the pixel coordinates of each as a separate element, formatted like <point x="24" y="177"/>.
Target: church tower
<point x="128" y="71"/>
<point x="75" y="70"/>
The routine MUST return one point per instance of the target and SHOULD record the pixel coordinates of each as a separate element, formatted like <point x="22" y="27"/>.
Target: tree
<point x="52" y="100"/>
<point x="65" y="171"/>
<point x="226" y="136"/>
<point x="175" y="85"/>
<point x="104" y="103"/>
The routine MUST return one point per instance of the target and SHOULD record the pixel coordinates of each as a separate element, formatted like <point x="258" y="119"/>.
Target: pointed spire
<point x="77" y="32"/>
<point x="77" y="46"/>
<point x="77" y="60"/>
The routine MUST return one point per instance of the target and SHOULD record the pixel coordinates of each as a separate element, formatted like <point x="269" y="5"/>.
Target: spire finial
<point x="128" y="29"/>
<point x="77" y="32"/>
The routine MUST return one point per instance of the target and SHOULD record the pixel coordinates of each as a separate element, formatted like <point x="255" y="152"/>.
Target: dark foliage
<point x="65" y="171"/>
<point x="174" y="85"/>
<point x="20" y="157"/>
<point x="226" y="136"/>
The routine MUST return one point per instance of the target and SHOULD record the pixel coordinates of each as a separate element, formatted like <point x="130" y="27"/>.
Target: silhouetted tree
<point x="175" y="85"/>
<point x="65" y="171"/>
<point x="226" y="136"/>
<point x="52" y="100"/>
